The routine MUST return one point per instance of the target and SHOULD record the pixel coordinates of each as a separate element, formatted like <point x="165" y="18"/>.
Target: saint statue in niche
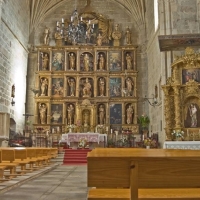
<point x="129" y="114"/>
<point x="43" y="113"/>
<point x="192" y="117"/>
<point x="87" y="88"/>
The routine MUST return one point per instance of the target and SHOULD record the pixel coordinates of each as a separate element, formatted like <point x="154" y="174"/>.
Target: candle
<point x="142" y="137"/>
<point x="106" y="128"/>
<point x="62" y="20"/>
<point x="111" y="130"/>
<point x="58" y="128"/>
<point x="93" y="25"/>
<point x="57" y="23"/>
<point x="81" y="18"/>
<point x="96" y="130"/>
<point x="52" y="130"/>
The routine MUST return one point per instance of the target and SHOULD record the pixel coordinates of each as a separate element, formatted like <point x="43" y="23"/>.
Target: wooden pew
<point x="2" y="168"/>
<point x="143" y="174"/>
<point x="8" y="158"/>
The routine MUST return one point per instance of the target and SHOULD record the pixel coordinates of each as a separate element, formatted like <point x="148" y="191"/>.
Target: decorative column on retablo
<point x="167" y="112"/>
<point x="48" y="113"/>
<point x="36" y="113"/>
<point x="176" y="75"/>
<point x="177" y="103"/>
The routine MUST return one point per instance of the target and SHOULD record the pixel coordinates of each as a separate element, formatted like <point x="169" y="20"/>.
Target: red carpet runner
<point x="75" y="156"/>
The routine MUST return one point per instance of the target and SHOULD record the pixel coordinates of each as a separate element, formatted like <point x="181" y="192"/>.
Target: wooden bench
<point x="143" y="174"/>
<point x="8" y="158"/>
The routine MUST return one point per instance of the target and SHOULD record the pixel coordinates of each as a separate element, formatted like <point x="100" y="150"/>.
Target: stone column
<point x="1" y="5"/>
<point x="177" y="102"/>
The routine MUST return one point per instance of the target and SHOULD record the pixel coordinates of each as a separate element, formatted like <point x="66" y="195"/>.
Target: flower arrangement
<point x="82" y="143"/>
<point x="144" y="121"/>
<point x="71" y="126"/>
<point x="150" y="142"/>
<point x="178" y="134"/>
<point x="147" y="142"/>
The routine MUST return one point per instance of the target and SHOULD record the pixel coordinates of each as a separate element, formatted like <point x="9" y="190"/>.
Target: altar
<point x="89" y="137"/>
<point x="181" y="145"/>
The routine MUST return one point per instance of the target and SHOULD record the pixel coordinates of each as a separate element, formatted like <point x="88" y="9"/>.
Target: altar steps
<point x="75" y="156"/>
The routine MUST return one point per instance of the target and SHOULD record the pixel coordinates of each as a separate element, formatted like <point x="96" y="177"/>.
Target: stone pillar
<point x="1" y="5"/>
<point x="177" y="102"/>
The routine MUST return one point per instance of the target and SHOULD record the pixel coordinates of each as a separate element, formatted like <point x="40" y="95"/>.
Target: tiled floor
<point x="57" y="182"/>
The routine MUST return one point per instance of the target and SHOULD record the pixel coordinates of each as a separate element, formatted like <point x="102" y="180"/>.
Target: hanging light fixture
<point x="77" y="30"/>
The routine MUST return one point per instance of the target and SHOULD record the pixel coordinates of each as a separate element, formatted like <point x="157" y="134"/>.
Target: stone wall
<point x="14" y="30"/>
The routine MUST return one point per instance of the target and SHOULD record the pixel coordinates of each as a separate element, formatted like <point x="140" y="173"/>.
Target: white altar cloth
<point x="90" y="137"/>
<point x="181" y="145"/>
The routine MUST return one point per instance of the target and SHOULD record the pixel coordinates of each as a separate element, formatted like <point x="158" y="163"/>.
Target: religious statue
<point x="72" y="61"/>
<point x="101" y="87"/>
<point x="99" y="39"/>
<point x="86" y="62"/>
<point x="44" y="86"/>
<point x="58" y="38"/>
<point x="129" y="115"/>
<point x="193" y="114"/>
<point x="128" y="36"/>
<point x="13" y="91"/>
<point x="116" y="35"/>
<point x="101" y="62"/>
<point x="128" y="62"/>
<point x="70" y="114"/>
<point x="45" y="61"/>
<point x="72" y="88"/>
<point x="46" y="36"/>
<point x="43" y="113"/>
<point x="130" y="86"/>
<point x="101" y="114"/>
<point x="87" y="88"/>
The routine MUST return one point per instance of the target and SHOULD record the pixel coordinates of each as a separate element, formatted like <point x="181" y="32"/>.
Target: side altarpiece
<point x="182" y="97"/>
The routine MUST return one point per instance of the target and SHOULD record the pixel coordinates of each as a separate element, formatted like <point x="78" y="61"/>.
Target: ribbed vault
<point x="39" y="9"/>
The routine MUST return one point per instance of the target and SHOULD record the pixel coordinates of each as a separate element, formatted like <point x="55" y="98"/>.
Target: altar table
<point x="90" y="137"/>
<point x="181" y="145"/>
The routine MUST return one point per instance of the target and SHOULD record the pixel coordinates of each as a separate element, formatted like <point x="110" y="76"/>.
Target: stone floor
<point x="56" y="182"/>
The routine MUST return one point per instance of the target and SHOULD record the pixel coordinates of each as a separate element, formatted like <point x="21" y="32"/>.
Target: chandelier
<point x="78" y="30"/>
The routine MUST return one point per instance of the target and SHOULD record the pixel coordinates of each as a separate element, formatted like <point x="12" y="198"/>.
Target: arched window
<point x="156" y="15"/>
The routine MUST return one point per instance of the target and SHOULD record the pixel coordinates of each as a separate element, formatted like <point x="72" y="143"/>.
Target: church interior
<point x="89" y="75"/>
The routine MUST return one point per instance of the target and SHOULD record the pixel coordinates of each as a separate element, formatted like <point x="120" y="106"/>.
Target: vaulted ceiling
<point x="39" y="9"/>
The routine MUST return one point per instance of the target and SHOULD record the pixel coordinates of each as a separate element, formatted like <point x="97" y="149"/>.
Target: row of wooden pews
<point x="17" y="161"/>
<point x="143" y="174"/>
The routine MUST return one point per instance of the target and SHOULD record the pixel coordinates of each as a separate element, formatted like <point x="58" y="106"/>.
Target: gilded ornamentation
<point x="182" y="98"/>
<point x="192" y="87"/>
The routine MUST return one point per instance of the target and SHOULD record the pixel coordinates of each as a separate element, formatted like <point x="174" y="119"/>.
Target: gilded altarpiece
<point x="182" y="97"/>
<point x="90" y="86"/>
